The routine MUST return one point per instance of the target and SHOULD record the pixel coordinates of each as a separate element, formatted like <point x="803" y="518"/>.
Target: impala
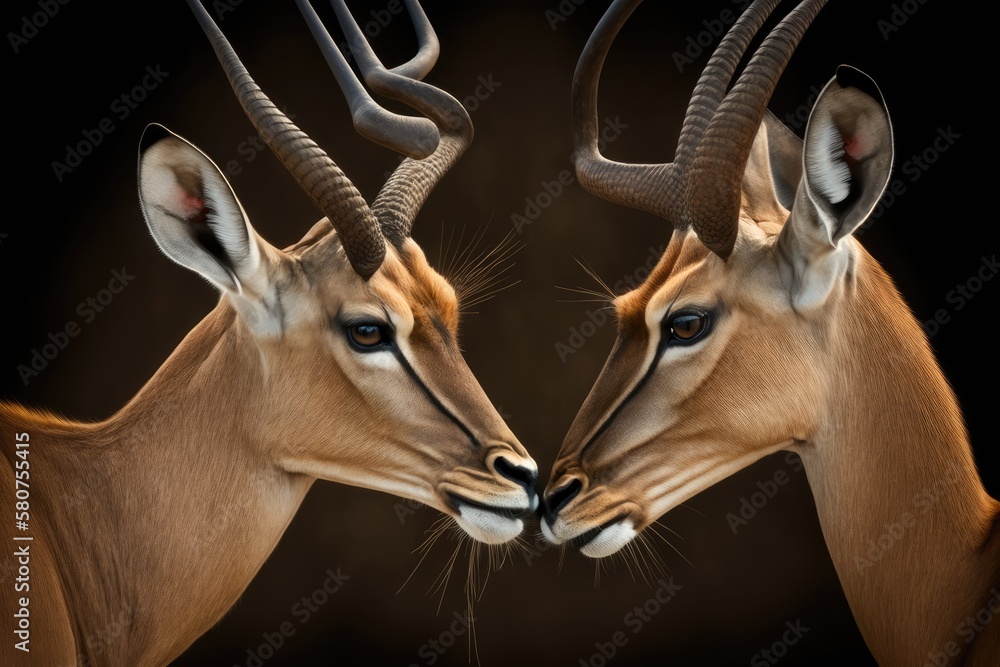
<point x="766" y="326"/>
<point x="335" y="358"/>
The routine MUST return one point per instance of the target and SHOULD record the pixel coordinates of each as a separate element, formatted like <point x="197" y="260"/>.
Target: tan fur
<point x="792" y="337"/>
<point x="852" y="386"/>
<point x="148" y="525"/>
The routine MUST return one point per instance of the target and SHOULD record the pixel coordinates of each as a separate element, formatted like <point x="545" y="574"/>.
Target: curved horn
<point x="649" y="187"/>
<point x="324" y="182"/>
<point x="416" y="137"/>
<point x="713" y="196"/>
<point x="714" y="80"/>
<point x="701" y="187"/>
<point x="402" y="196"/>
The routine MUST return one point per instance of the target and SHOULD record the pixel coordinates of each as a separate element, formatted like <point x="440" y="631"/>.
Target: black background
<point x="63" y="239"/>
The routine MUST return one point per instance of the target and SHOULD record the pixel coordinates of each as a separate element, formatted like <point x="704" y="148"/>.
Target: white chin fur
<point x="609" y="540"/>
<point x="488" y="527"/>
<point x="547" y="532"/>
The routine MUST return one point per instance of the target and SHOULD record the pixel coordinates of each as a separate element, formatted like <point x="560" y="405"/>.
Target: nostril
<point x="560" y="498"/>
<point x="517" y="474"/>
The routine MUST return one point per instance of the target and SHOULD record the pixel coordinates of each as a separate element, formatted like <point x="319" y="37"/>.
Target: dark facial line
<point x="434" y="399"/>
<point x="660" y="349"/>
<point x="442" y="329"/>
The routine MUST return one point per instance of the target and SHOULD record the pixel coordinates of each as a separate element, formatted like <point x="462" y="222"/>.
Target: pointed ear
<point x="785" y="153"/>
<point x="773" y="171"/>
<point x="194" y="215"/>
<point x="846" y="164"/>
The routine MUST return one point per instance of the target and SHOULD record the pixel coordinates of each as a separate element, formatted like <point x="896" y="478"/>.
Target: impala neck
<point x="908" y="524"/>
<point x="175" y="511"/>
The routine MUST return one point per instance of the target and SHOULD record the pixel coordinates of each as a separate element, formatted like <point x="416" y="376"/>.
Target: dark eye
<point x="688" y="327"/>
<point x="367" y="336"/>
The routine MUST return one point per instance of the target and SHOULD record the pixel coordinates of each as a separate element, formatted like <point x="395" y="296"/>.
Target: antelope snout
<point x="520" y="470"/>
<point x="491" y="499"/>
<point x="559" y="496"/>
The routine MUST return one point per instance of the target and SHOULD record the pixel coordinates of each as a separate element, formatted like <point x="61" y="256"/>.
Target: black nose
<point x="559" y="499"/>
<point x="517" y="474"/>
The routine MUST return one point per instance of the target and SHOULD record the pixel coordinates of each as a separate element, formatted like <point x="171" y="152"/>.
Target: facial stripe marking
<point x="657" y="355"/>
<point x="441" y="328"/>
<point x="628" y="397"/>
<point x="434" y="399"/>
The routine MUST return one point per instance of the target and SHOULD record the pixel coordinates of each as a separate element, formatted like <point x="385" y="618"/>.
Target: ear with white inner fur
<point x="846" y="164"/>
<point x="194" y="215"/>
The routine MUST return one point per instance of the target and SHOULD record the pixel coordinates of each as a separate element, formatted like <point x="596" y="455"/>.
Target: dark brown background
<point x="936" y="71"/>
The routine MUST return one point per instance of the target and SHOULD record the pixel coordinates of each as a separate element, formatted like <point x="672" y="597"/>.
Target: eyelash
<point x="704" y="318"/>
<point x="385" y="335"/>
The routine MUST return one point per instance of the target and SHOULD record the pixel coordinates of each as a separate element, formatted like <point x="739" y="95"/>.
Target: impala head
<point x="352" y="333"/>
<point x="720" y="353"/>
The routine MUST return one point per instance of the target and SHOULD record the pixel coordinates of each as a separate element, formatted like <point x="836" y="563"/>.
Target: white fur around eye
<point x="383" y="359"/>
<point x="675" y="353"/>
